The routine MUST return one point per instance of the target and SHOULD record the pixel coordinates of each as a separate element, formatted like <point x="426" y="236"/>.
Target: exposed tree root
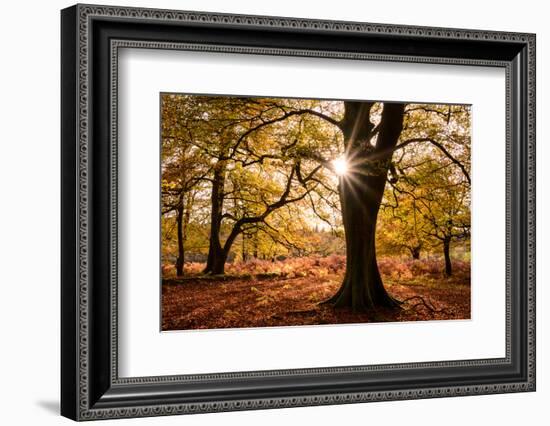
<point x="387" y="302"/>
<point x="422" y="302"/>
<point x="396" y="304"/>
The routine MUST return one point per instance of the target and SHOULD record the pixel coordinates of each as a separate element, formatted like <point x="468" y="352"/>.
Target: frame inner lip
<point x="115" y="45"/>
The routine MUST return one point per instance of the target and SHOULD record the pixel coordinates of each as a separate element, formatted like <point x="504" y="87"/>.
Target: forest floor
<point x="274" y="294"/>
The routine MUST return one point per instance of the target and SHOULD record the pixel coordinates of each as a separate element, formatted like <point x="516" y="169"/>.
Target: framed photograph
<point x="263" y="212"/>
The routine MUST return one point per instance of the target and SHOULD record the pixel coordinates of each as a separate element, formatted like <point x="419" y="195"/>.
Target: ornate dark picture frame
<point x="90" y="385"/>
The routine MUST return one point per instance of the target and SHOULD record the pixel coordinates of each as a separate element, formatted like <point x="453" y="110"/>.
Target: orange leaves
<point x="261" y="298"/>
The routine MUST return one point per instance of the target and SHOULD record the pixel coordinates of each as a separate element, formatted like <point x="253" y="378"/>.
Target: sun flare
<point x="340" y="166"/>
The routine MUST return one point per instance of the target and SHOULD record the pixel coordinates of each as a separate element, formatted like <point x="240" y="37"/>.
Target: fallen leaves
<point x="271" y="300"/>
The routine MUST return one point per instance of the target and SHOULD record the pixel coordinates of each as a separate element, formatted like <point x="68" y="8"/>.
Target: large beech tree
<point x="370" y="139"/>
<point x="263" y="136"/>
<point x="218" y="252"/>
<point x="368" y="152"/>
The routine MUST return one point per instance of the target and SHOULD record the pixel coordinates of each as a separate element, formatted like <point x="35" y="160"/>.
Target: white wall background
<point x="29" y="213"/>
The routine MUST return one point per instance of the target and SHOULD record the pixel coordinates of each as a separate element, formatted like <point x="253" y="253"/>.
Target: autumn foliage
<point x="301" y="211"/>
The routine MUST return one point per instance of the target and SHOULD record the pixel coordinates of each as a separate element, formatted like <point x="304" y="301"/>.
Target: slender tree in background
<point x="433" y="189"/>
<point x="404" y="228"/>
<point x="183" y="168"/>
<point x="446" y="209"/>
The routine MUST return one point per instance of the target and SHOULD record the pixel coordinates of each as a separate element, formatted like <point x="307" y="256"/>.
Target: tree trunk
<point x="361" y="191"/>
<point x="415" y="252"/>
<point x="255" y="246"/>
<point x="447" y="253"/>
<point x="243" y="242"/>
<point x="215" y="263"/>
<point x="179" y="226"/>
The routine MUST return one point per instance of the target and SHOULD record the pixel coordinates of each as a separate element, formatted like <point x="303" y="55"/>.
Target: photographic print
<point x="286" y="212"/>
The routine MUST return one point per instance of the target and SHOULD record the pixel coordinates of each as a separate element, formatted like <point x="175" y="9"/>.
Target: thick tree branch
<point x="283" y="117"/>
